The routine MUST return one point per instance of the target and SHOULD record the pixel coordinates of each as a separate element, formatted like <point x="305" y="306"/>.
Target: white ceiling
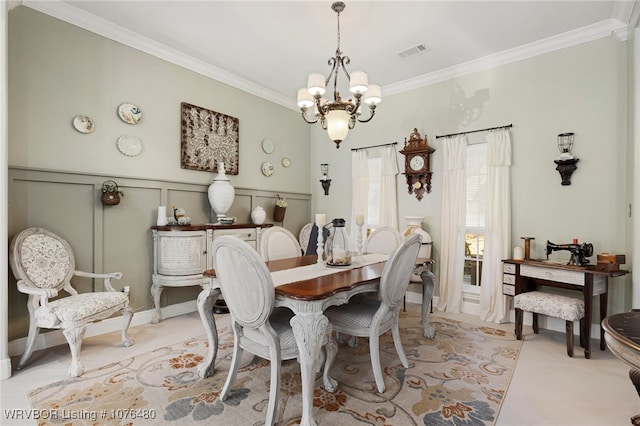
<point x="269" y="47"/>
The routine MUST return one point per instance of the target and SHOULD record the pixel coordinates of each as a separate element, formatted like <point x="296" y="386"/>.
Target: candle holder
<point x="320" y="248"/>
<point x="359" y="238"/>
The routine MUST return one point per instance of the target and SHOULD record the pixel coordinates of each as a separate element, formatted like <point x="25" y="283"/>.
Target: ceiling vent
<point x="413" y="51"/>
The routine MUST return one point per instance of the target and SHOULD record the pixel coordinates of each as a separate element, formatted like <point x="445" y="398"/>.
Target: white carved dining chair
<point x="365" y="316"/>
<point x="249" y="291"/>
<point x="43" y="263"/>
<point x="305" y="235"/>
<point x="278" y="243"/>
<point x="382" y="239"/>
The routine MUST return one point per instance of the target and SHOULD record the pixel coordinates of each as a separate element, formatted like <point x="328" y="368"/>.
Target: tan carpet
<point x="460" y="377"/>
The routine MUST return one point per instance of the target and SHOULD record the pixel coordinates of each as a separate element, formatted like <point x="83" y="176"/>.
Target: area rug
<point x="460" y="377"/>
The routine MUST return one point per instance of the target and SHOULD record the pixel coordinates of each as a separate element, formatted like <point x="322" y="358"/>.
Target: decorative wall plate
<point x="129" y="113"/>
<point x="267" y="168"/>
<point x="129" y="145"/>
<point x="83" y="124"/>
<point x="286" y="162"/>
<point x="267" y="146"/>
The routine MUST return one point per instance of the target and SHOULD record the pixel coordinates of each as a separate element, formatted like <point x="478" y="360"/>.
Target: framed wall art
<point x="208" y="137"/>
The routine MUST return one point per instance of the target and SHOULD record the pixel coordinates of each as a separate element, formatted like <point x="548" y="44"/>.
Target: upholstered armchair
<point x="44" y="263"/>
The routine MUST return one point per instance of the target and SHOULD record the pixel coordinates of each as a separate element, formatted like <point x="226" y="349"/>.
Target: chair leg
<point x="536" y="328"/>
<point x="127" y="313"/>
<point x="233" y="368"/>
<point x="569" y="328"/>
<point x="74" y="337"/>
<point x="395" y="332"/>
<point x="374" y="353"/>
<point x="274" y="388"/>
<point x="518" y="330"/>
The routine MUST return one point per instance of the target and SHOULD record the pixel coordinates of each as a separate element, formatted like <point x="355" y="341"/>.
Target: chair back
<point x="305" y="235"/>
<point x="41" y="259"/>
<point x="278" y="243"/>
<point x="397" y="271"/>
<point x="382" y="240"/>
<point x="245" y="281"/>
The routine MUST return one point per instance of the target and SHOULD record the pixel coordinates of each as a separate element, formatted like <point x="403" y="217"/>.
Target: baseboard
<point x="55" y="338"/>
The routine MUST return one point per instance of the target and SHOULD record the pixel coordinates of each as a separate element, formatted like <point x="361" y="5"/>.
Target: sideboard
<point x="527" y="275"/>
<point x="181" y="254"/>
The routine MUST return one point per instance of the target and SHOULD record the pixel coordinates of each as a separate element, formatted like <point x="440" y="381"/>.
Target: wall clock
<point x="416" y="153"/>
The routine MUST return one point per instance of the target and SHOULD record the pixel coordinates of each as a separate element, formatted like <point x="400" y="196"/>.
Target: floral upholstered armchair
<point x="43" y="263"/>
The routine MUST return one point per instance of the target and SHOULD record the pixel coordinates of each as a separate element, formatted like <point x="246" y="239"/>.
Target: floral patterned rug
<point x="458" y="378"/>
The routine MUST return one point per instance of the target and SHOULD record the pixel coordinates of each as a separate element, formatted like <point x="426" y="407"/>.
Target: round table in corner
<point x="622" y="335"/>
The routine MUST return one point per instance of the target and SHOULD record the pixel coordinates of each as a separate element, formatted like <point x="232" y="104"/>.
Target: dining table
<point x="308" y="287"/>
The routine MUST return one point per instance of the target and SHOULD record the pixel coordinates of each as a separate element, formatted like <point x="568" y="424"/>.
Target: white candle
<point x="518" y="253"/>
<point x="321" y="220"/>
<point x="359" y="219"/>
<point x="162" y="215"/>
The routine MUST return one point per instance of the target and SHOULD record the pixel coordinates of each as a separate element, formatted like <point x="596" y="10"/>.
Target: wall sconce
<point x="324" y="180"/>
<point x="566" y="163"/>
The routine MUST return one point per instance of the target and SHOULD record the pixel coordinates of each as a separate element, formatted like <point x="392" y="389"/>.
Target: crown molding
<point x="95" y="24"/>
<point x="90" y="22"/>
<point x="550" y="44"/>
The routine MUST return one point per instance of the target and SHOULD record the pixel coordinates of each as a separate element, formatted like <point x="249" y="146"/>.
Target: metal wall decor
<point x="207" y="138"/>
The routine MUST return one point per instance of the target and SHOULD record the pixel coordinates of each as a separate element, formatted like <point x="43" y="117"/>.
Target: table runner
<point x="308" y="272"/>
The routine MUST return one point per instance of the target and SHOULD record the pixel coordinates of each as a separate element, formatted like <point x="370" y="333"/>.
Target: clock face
<point x="416" y="163"/>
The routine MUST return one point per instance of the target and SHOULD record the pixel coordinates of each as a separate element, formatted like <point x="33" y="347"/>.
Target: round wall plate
<point x="267" y="168"/>
<point x="129" y="145"/>
<point x="129" y="113"/>
<point x="83" y="124"/>
<point x="267" y="146"/>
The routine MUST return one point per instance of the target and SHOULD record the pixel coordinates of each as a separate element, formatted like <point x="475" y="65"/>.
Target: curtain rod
<point x="475" y="131"/>
<point x="374" y="146"/>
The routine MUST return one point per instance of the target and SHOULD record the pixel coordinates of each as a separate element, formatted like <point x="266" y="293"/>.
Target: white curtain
<point x="497" y="239"/>
<point x="359" y="188"/>
<point x="388" y="184"/>
<point x="454" y="211"/>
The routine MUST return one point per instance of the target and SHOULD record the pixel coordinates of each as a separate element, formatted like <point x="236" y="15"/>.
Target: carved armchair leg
<point x="127" y="313"/>
<point x="34" y="331"/>
<point x="74" y="338"/>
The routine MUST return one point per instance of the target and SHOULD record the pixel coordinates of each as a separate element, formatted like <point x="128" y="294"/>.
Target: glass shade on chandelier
<point x="338" y="116"/>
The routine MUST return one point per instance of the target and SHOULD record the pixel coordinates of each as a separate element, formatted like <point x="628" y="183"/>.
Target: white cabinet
<point x="182" y="253"/>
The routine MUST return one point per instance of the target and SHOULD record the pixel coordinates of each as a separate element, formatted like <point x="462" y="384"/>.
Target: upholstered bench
<point x="567" y="308"/>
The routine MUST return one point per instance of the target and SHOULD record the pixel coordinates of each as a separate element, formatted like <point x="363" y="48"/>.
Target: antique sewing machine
<point x="579" y="252"/>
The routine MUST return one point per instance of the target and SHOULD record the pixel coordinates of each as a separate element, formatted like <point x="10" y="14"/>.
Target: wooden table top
<point x="327" y="285"/>
<point x="589" y="269"/>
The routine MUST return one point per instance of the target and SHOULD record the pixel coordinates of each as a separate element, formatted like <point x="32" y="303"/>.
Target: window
<point x="476" y="175"/>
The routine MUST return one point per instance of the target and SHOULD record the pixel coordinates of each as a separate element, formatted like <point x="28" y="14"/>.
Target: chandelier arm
<point x="372" y="110"/>
<point x="304" y="117"/>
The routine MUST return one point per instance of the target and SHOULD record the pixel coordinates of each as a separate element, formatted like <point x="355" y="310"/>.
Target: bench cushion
<point x="554" y="305"/>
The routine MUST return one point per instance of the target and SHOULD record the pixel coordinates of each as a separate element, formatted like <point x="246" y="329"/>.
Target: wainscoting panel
<point x="118" y="238"/>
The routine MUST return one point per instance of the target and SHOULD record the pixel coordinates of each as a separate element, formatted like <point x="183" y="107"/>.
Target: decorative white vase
<point x="221" y="193"/>
<point x="258" y="215"/>
<point x="414" y="226"/>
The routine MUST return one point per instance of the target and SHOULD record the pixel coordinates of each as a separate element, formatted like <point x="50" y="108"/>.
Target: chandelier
<point x="337" y="116"/>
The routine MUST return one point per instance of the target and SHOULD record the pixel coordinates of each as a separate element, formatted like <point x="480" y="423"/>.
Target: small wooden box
<point x="612" y="258"/>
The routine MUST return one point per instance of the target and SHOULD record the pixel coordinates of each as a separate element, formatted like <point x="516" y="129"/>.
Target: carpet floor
<point x="460" y="377"/>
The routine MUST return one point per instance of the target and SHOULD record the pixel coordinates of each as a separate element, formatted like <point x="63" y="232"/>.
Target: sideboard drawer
<point x="509" y="268"/>
<point x="551" y="274"/>
<point x="509" y="279"/>
<point x="508" y="290"/>
<point x="243" y="234"/>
